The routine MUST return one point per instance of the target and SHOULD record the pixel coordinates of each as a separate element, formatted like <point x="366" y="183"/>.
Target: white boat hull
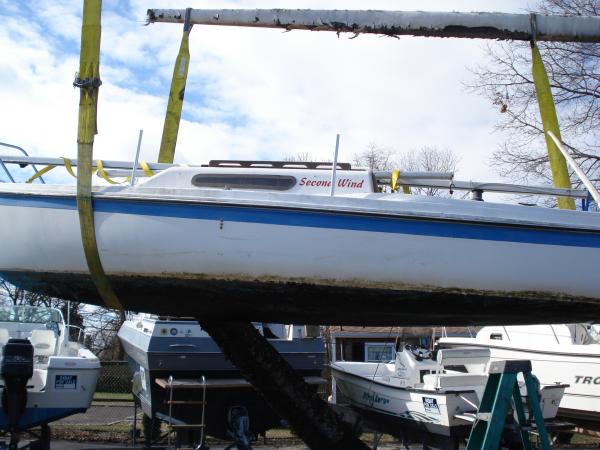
<point x="578" y="366"/>
<point x="400" y="410"/>
<point x="64" y="388"/>
<point x="341" y="248"/>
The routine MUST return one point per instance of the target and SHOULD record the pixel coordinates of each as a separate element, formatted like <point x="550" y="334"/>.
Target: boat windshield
<point x="594" y="333"/>
<point x="29" y="314"/>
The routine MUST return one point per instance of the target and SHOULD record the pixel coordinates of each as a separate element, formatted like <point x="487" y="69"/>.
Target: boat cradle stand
<point x="285" y="390"/>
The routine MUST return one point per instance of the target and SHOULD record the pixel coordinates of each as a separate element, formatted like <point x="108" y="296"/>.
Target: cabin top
<point x="291" y="180"/>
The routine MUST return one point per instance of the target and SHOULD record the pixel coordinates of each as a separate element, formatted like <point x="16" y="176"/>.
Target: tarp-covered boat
<point x="272" y="244"/>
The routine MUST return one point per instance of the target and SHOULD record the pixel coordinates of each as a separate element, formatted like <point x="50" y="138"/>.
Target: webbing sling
<point x="394" y="182"/>
<point x="176" y="94"/>
<point x="88" y="80"/>
<point x="558" y="165"/>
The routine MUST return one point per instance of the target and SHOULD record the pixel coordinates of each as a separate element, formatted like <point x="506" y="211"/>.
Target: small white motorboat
<point x="62" y="373"/>
<point x="558" y="353"/>
<point x="272" y="244"/>
<point x="416" y="397"/>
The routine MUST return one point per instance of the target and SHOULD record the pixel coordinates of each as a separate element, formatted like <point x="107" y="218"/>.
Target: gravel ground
<point x="102" y="413"/>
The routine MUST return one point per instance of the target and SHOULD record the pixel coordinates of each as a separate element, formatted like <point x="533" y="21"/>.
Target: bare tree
<point x="102" y="326"/>
<point x="429" y="159"/>
<point x="574" y="73"/>
<point x="426" y="159"/>
<point x="375" y="157"/>
<point x="299" y="157"/>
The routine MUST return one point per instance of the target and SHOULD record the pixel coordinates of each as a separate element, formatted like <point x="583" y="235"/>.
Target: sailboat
<point x="252" y="241"/>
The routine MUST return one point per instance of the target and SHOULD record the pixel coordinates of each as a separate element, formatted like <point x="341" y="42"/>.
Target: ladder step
<point x="485" y="416"/>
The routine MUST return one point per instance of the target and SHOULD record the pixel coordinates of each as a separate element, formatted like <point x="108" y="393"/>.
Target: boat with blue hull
<point x="163" y="349"/>
<point x="272" y="244"/>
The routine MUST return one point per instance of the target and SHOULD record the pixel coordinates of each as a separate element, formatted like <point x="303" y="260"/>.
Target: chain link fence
<point x="114" y="378"/>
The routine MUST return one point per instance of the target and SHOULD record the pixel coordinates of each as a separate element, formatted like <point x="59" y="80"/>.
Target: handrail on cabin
<point x="22" y="150"/>
<point x="440" y="180"/>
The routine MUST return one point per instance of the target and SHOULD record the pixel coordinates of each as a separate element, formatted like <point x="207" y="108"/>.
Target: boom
<point x="482" y="25"/>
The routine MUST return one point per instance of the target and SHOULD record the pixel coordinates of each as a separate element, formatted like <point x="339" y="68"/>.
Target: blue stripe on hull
<point x="33" y="417"/>
<point x="322" y="219"/>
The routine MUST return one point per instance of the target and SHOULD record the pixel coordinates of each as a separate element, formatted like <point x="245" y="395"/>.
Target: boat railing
<point x="22" y="150"/>
<point x="80" y="332"/>
<point x="436" y="180"/>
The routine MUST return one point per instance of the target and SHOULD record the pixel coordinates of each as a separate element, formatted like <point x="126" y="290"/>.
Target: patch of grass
<point x="112" y="396"/>
<point x="120" y="432"/>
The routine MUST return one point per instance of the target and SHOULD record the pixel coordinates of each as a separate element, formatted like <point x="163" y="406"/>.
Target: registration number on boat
<point x="65" y="382"/>
<point x="430" y="405"/>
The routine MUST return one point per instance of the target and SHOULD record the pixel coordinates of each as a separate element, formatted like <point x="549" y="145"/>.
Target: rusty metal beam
<point x="482" y="25"/>
<point x="284" y="389"/>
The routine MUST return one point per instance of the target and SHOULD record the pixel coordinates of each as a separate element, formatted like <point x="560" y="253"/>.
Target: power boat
<point x="558" y="353"/>
<point x="177" y="367"/>
<point x="45" y="375"/>
<point x="421" y="399"/>
<point x="278" y="243"/>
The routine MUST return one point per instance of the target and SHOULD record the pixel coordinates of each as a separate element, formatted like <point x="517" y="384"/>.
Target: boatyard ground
<point x="107" y="424"/>
<point x="87" y="437"/>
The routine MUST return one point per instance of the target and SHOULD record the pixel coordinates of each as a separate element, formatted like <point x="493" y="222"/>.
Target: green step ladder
<point x="501" y="392"/>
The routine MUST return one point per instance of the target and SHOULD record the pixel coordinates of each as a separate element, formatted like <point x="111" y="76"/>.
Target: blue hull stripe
<point x="33" y="417"/>
<point x="321" y="219"/>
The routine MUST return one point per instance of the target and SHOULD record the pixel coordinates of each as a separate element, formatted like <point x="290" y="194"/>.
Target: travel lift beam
<point x="484" y="25"/>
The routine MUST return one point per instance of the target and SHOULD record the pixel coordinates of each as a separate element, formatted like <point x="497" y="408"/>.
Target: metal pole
<point x="334" y="168"/>
<point x="580" y="173"/>
<point x="68" y="323"/>
<point x="482" y="25"/>
<point x="137" y="157"/>
<point x="12" y="180"/>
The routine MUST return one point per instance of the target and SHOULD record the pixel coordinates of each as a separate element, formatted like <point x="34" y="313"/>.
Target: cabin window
<point x="496" y="336"/>
<point x="379" y="352"/>
<point x="244" y="181"/>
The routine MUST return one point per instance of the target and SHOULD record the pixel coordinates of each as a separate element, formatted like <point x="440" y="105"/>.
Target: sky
<point x="251" y="94"/>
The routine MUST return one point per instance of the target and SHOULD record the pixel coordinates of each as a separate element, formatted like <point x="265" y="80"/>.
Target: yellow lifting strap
<point x="69" y="166"/>
<point x="394" y="182"/>
<point x="104" y="176"/>
<point x="39" y="173"/>
<point x="176" y="94"/>
<point x="47" y="169"/>
<point x="146" y="168"/>
<point x="558" y="165"/>
<point x="88" y="80"/>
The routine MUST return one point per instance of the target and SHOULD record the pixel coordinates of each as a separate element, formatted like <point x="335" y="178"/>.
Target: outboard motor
<point x="16" y="370"/>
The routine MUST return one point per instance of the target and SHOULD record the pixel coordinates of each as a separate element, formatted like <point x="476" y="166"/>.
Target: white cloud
<point x="251" y="93"/>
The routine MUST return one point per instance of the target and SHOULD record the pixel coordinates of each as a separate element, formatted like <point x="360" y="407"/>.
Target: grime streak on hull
<point x="301" y="302"/>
